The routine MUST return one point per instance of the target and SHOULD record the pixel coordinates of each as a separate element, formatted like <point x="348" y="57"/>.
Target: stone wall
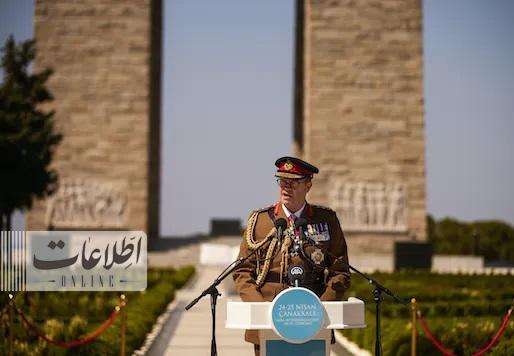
<point x="106" y="84"/>
<point x="359" y="116"/>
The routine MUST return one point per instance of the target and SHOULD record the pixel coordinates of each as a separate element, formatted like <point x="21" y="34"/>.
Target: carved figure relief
<point x="370" y="206"/>
<point x="88" y="203"/>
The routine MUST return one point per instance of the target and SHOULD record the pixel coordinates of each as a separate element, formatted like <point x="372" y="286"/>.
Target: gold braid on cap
<point x="252" y="244"/>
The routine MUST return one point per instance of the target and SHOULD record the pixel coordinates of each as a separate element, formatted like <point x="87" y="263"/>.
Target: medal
<point x="317" y="256"/>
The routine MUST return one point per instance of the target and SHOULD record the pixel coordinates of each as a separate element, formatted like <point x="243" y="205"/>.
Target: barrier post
<point x="124" y="305"/>
<point x="11" y="325"/>
<point x="414" y="327"/>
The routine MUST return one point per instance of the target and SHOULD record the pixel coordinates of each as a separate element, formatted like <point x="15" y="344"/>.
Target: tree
<point x="494" y="240"/>
<point x="27" y="136"/>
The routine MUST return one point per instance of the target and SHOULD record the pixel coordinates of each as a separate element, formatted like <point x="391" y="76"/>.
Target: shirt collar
<point x="296" y="213"/>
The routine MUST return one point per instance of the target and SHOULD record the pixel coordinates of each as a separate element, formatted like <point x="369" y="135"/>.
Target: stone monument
<point x="106" y="84"/>
<point x="359" y="116"/>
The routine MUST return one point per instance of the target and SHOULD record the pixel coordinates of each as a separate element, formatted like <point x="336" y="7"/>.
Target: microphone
<point x="296" y="275"/>
<point x="280" y="225"/>
<point x="301" y="224"/>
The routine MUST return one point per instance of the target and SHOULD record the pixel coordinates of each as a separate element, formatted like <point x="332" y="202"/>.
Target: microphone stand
<point x="214" y="293"/>
<point x="378" y="289"/>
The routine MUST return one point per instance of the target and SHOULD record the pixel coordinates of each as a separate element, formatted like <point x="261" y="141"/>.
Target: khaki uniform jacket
<point x="338" y="279"/>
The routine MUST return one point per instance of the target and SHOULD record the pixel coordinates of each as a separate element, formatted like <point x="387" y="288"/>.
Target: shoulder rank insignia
<point x="322" y="207"/>
<point x="262" y="209"/>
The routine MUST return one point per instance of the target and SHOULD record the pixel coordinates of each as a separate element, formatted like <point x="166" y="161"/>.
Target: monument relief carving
<point x="88" y="203"/>
<point x="376" y="207"/>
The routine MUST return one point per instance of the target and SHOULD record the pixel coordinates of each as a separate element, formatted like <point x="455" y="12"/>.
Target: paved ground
<point x="182" y="252"/>
<point x="189" y="332"/>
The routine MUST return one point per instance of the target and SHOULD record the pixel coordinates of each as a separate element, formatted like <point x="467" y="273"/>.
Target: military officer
<point x="323" y="256"/>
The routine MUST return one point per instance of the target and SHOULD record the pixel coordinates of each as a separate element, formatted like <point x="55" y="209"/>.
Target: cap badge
<point x="288" y="166"/>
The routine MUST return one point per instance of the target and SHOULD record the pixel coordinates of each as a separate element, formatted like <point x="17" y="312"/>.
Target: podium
<point x="296" y="322"/>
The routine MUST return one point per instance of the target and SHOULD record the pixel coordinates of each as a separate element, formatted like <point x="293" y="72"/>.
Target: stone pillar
<point x="359" y="115"/>
<point x="106" y="85"/>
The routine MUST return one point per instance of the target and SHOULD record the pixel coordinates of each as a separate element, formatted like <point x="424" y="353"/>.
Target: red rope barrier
<point x="67" y="344"/>
<point x="497" y="335"/>
<point x="431" y="337"/>
<point x="445" y="352"/>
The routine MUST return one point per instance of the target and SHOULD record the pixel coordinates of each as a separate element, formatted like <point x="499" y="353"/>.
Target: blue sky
<point x="227" y="106"/>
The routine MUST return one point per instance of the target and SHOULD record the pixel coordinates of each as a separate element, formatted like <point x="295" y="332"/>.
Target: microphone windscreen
<point x="300" y="222"/>
<point x="282" y="223"/>
<point x="295" y="273"/>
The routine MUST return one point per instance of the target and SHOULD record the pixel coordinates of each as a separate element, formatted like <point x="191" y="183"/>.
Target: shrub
<point x="464" y="312"/>
<point x="73" y="315"/>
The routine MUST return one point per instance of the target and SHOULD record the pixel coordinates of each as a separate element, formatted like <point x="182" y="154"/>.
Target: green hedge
<point x="72" y="315"/>
<point x="462" y="336"/>
<point x="464" y="312"/>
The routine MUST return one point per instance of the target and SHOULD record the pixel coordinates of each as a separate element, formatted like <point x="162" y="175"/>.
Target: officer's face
<point x="293" y="192"/>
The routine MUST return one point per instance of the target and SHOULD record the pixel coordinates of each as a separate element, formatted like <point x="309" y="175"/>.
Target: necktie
<point x="291" y="218"/>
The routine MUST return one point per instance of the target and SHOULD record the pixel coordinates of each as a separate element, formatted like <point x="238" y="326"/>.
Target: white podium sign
<point x="258" y="316"/>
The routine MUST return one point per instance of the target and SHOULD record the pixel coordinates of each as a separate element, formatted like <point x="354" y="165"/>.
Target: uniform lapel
<point x="307" y="211"/>
<point x="279" y="212"/>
